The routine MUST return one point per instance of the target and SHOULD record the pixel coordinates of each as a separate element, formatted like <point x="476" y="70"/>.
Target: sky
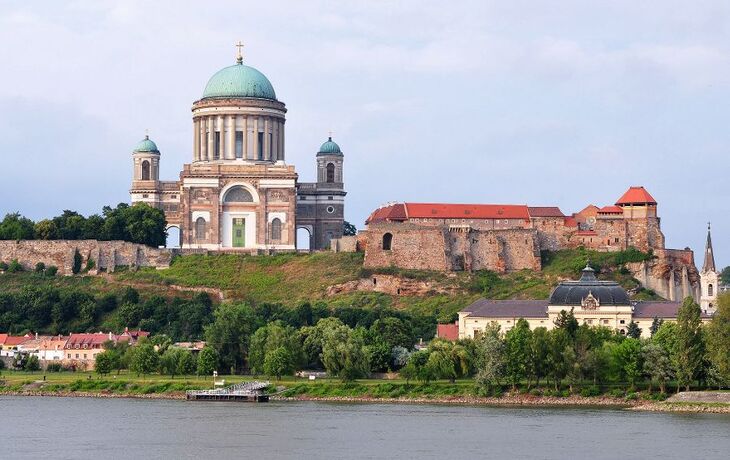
<point x="564" y="103"/>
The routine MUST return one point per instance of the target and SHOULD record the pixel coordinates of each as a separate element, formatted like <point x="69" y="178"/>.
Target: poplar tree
<point x="688" y="353"/>
<point x="517" y="344"/>
<point x="718" y="339"/>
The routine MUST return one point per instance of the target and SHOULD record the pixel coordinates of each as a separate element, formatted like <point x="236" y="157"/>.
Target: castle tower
<point x="709" y="278"/>
<point x="146" y="172"/>
<point x="321" y="205"/>
<point x="642" y="223"/>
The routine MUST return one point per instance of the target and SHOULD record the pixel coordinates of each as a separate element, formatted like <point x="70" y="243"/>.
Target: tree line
<point x="137" y="223"/>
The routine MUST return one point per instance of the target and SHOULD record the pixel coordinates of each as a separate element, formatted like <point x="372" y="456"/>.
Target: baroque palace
<point x="238" y="193"/>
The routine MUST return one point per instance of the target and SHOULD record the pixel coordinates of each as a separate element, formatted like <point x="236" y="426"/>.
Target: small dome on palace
<point x="573" y="293"/>
<point x="239" y="80"/>
<point x="146" y="145"/>
<point x="329" y="148"/>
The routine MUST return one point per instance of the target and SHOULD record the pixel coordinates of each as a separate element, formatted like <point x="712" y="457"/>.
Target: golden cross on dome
<point x="239" y="57"/>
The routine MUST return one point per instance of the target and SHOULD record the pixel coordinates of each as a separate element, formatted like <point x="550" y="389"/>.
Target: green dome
<point x="239" y="81"/>
<point x="146" y="145"/>
<point x="329" y="148"/>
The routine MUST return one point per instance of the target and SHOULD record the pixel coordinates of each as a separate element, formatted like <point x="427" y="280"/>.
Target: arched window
<point x="145" y="170"/>
<point x="200" y="228"/>
<point x="709" y="290"/>
<point x="276" y="229"/>
<point x="238" y="194"/>
<point x="387" y="241"/>
<point x="330" y="173"/>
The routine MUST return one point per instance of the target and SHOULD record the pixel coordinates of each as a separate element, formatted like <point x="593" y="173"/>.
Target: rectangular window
<point x="260" y="152"/>
<point x="77" y="356"/>
<point x="622" y="322"/>
<point x="239" y="144"/>
<point x="271" y="144"/>
<point x="217" y="145"/>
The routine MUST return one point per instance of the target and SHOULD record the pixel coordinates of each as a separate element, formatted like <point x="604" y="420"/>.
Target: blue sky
<point x="545" y="103"/>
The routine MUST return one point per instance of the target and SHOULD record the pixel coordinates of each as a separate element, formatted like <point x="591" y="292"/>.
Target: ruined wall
<point x="454" y="248"/>
<point x="672" y="274"/>
<point x="344" y="244"/>
<point x="107" y="255"/>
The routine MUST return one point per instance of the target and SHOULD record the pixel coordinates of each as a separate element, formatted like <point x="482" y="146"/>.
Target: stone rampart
<point x="106" y="255"/>
<point x="672" y="274"/>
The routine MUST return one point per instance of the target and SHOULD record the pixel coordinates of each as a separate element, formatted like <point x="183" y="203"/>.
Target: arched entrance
<point x="173" y="237"/>
<point x="304" y="239"/>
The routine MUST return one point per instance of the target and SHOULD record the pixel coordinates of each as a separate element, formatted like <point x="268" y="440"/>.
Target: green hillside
<point x="56" y="304"/>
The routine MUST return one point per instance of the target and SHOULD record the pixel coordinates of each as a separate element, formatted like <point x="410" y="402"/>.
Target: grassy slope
<point x="292" y="278"/>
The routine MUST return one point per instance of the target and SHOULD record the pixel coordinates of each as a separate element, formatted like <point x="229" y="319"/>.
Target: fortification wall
<point x="455" y="248"/>
<point x="107" y="255"/>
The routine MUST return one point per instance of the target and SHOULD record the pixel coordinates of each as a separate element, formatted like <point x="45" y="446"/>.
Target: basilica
<point x="238" y="193"/>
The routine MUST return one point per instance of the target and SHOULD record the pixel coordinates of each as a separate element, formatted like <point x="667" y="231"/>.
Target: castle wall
<point x="671" y="274"/>
<point x="107" y="255"/>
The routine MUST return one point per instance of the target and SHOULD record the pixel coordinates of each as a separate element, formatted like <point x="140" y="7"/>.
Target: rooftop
<point x="636" y="195"/>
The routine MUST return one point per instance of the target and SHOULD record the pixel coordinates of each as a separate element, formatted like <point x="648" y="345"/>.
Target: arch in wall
<point x="330" y="173"/>
<point x="387" y="241"/>
<point x="238" y="194"/>
<point x="710" y="290"/>
<point x="173" y="236"/>
<point x="304" y="239"/>
<point x="276" y="229"/>
<point x="146" y="170"/>
<point x="200" y="227"/>
<point x="224" y="196"/>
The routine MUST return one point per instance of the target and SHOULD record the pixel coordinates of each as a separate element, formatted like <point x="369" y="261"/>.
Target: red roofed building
<point x="81" y="349"/>
<point x="448" y="331"/>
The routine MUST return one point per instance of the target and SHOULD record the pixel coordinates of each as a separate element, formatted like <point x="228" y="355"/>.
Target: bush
<point x="31" y="364"/>
<point x="54" y="367"/>
<point x="90" y="264"/>
<point x="76" y="268"/>
<point x="51" y="271"/>
<point x="40" y="267"/>
<point x="536" y="392"/>
<point x="632" y="396"/>
<point x="15" y="266"/>
<point x="617" y="393"/>
<point x="590" y="391"/>
<point x="3" y="267"/>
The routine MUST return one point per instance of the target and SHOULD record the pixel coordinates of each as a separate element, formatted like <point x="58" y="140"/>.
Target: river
<point x="76" y="428"/>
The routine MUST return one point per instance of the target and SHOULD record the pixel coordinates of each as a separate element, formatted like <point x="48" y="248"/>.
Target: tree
<point x="314" y="338"/>
<point x="413" y="370"/>
<point x="170" y="361"/>
<point x="399" y="357"/>
<point x="489" y="357"/>
<point x="229" y="334"/>
<point x="537" y="368"/>
<point x="656" y="323"/>
<point x="269" y="338"/>
<point x="517" y="348"/>
<point x="633" y="330"/>
<point x="144" y="359"/>
<point x="104" y="363"/>
<point x="394" y="331"/>
<point x="567" y="321"/>
<point x="447" y="360"/>
<point x="725" y="276"/>
<point x="40" y="267"/>
<point x="31" y="364"/>
<point x="657" y="365"/>
<point x="343" y="354"/>
<point x="689" y="351"/>
<point x="46" y="230"/>
<point x="16" y="227"/>
<point x="558" y="363"/>
<point x="718" y="339"/>
<point x="349" y="229"/>
<point x="207" y="361"/>
<point x="278" y="362"/>
<point x="76" y="267"/>
<point x="628" y="358"/>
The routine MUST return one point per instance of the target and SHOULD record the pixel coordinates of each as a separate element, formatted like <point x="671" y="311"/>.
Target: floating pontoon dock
<point x="243" y="392"/>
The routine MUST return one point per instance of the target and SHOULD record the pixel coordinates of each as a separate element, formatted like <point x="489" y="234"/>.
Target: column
<point x="282" y="144"/>
<point x="267" y="137"/>
<point x="255" y="138"/>
<point x="275" y="140"/>
<point x="196" y="139"/>
<point x="244" y="128"/>
<point x="221" y="122"/>
<point x="211" y="139"/>
<point x="203" y="139"/>
<point x="231" y="141"/>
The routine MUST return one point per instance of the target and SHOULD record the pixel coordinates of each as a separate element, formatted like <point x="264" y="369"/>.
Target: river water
<point x="60" y="428"/>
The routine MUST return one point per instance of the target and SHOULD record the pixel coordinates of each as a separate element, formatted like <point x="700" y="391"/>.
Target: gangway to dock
<point x="243" y="392"/>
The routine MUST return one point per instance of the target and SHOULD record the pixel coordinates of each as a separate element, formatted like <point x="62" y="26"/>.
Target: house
<point x="81" y="349"/>
<point x="9" y="344"/>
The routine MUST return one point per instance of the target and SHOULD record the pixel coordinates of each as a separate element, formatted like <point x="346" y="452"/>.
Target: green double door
<point x="239" y="232"/>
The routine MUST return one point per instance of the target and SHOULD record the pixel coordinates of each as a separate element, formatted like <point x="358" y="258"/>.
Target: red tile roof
<point x="392" y="212"/>
<point x="636" y="195"/>
<point x="3" y="338"/>
<point x="466" y="211"/>
<point x="611" y="210"/>
<point x="16" y="340"/>
<point x="545" y="211"/>
<point x="97" y="338"/>
<point x="448" y="331"/>
<point x="570" y="222"/>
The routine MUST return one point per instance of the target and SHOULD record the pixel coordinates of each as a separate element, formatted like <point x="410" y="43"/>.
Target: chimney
<point x="36" y="336"/>
<point x="126" y="329"/>
<point x="110" y="335"/>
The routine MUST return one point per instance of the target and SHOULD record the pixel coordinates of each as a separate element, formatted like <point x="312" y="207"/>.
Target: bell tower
<point x="709" y="278"/>
<point x="146" y="172"/>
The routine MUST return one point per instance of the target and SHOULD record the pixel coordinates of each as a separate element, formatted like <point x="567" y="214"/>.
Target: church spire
<point x="709" y="265"/>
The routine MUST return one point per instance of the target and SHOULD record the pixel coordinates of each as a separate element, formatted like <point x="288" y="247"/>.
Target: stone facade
<point x="238" y="194"/>
<point x="504" y="238"/>
<point x="107" y="255"/>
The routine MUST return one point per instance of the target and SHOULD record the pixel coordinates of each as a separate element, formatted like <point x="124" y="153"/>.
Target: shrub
<point x="76" y="268"/>
<point x="617" y="393"/>
<point x="3" y="267"/>
<point x="2" y="364"/>
<point x="632" y="396"/>
<point x="14" y="266"/>
<point x="90" y="264"/>
<point x="31" y="364"/>
<point x="536" y="392"/>
<point x="51" y="271"/>
<point x="590" y="391"/>
<point x="54" y="367"/>
<point x="40" y="267"/>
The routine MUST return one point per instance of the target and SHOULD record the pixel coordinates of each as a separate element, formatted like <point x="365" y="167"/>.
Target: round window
<point x="330" y="209"/>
